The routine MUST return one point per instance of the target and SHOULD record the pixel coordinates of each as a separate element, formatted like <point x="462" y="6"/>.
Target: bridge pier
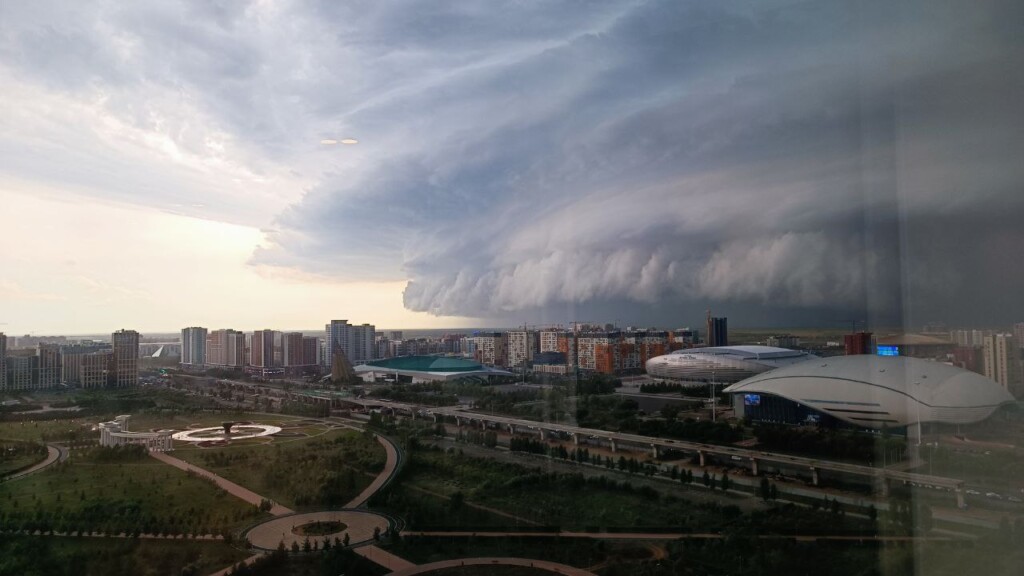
<point x="814" y="475"/>
<point x="458" y="422"/>
<point x="882" y="485"/>
<point x="615" y="447"/>
<point x="483" y="425"/>
<point x="435" y="418"/>
<point x="654" y="450"/>
<point x="959" y="492"/>
<point x="511" y="430"/>
<point x="576" y="439"/>
<point x="753" y="466"/>
<point x="700" y="455"/>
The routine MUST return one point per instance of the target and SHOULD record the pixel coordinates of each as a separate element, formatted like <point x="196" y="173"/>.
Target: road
<point x="741" y="455"/>
<point x="54" y="454"/>
<point x="228" y="486"/>
<point x="391" y="465"/>
<point x="554" y="567"/>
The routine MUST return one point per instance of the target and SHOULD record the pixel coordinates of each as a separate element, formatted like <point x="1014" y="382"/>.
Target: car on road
<point x="974" y="493"/>
<point x="993" y="495"/>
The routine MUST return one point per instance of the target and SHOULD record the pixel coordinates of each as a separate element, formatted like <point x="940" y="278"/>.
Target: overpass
<point x="753" y="459"/>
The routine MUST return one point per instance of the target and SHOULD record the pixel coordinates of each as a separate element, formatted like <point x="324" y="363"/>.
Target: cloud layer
<point x="526" y="158"/>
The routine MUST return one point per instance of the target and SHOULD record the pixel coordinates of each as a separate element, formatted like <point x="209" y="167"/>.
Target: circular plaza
<point x="234" y="431"/>
<point x="296" y="528"/>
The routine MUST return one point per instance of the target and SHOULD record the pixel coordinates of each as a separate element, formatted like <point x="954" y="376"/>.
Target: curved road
<point x="54" y="454"/>
<point x="554" y="567"/>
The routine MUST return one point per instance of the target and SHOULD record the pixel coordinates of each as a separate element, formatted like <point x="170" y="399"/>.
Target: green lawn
<point x="574" y="552"/>
<point x="60" y="556"/>
<point x="326" y="470"/>
<point x="15" y="456"/>
<point x="97" y="491"/>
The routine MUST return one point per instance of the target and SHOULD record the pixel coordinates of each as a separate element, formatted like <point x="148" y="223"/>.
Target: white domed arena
<point x="868" y="392"/>
<point x="726" y="364"/>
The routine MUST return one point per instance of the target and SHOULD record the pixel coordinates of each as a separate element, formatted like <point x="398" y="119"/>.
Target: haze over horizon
<point x="784" y="164"/>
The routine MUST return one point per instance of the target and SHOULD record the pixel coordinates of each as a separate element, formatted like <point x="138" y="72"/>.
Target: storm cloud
<point x="845" y="159"/>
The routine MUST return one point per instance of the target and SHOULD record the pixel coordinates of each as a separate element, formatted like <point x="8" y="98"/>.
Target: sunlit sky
<point x="162" y="164"/>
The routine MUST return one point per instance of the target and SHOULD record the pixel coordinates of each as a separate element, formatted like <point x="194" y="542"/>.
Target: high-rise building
<point x="522" y="346"/>
<point x="600" y="351"/>
<point x="1018" y="334"/>
<point x="125" y="358"/>
<point x="549" y="340"/>
<point x="718" y="331"/>
<point x="261" y="348"/>
<point x="311" y="350"/>
<point x="491" y="348"/>
<point x="3" y="361"/>
<point x="337" y="338"/>
<point x="94" y="369"/>
<point x="292" y="349"/>
<point x="226" y="348"/>
<point x="858" y="343"/>
<point x="1001" y="359"/>
<point x="22" y="366"/>
<point x="357" y="342"/>
<point x="396" y="335"/>
<point x="49" y="366"/>
<point x="362" y="342"/>
<point x="193" y="346"/>
<point x="71" y="360"/>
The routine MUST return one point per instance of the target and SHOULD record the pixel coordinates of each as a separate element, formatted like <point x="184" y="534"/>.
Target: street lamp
<point x="917" y="390"/>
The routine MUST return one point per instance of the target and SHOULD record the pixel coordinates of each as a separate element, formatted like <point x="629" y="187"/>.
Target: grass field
<point x="528" y="494"/>
<point x="324" y="470"/>
<point x="574" y="552"/>
<point x="15" y="456"/>
<point x="60" y="556"/>
<point x="94" y="491"/>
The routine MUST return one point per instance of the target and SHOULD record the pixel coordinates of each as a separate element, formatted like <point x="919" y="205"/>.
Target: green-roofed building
<point x="426" y="369"/>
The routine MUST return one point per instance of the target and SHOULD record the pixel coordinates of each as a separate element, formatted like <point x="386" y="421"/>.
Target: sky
<point x="782" y="163"/>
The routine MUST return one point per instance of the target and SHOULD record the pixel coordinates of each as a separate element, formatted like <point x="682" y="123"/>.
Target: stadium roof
<point x="876" y="391"/>
<point x="744" y="352"/>
<point x="430" y="367"/>
<point x="427" y="364"/>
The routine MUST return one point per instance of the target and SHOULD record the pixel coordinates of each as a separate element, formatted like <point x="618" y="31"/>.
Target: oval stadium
<point x="724" y="364"/>
<point x="868" y="392"/>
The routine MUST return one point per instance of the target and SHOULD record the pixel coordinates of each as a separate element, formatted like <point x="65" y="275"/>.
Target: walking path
<point x="360" y="527"/>
<point x="229" y="486"/>
<point x="384" y="558"/>
<point x="540" y="564"/>
<point x="231" y="568"/>
<point x="382" y="479"/>
<point x="54" y="454"/>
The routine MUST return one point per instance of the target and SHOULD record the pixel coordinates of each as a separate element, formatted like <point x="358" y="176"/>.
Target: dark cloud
<point x="828" y="161"/>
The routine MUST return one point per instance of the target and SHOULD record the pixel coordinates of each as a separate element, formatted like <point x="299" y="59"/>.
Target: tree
<point x="774" y="492"/>
<point x="376" y="533"/>
<point x="765" y="489"/>
<point x="725" y="481"/>
<point x="707" y="479"/>
<point x="345" y="540"/>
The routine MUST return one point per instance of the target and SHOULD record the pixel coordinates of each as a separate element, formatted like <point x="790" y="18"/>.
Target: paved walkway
<point x="229" y="486"/>
<point x="231" y="568"/>
<point x="390" y="467"/>
<point x="540" y="564"/>
<point x="54" y="454"/>
<point x="358" y="525"/>
<point x="384" y="558"/>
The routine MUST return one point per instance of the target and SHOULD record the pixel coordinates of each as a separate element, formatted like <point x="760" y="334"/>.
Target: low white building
<point x="115" y="433"/>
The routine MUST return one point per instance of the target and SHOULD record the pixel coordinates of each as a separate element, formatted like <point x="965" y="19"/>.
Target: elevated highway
<point x="753" y="459"/>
